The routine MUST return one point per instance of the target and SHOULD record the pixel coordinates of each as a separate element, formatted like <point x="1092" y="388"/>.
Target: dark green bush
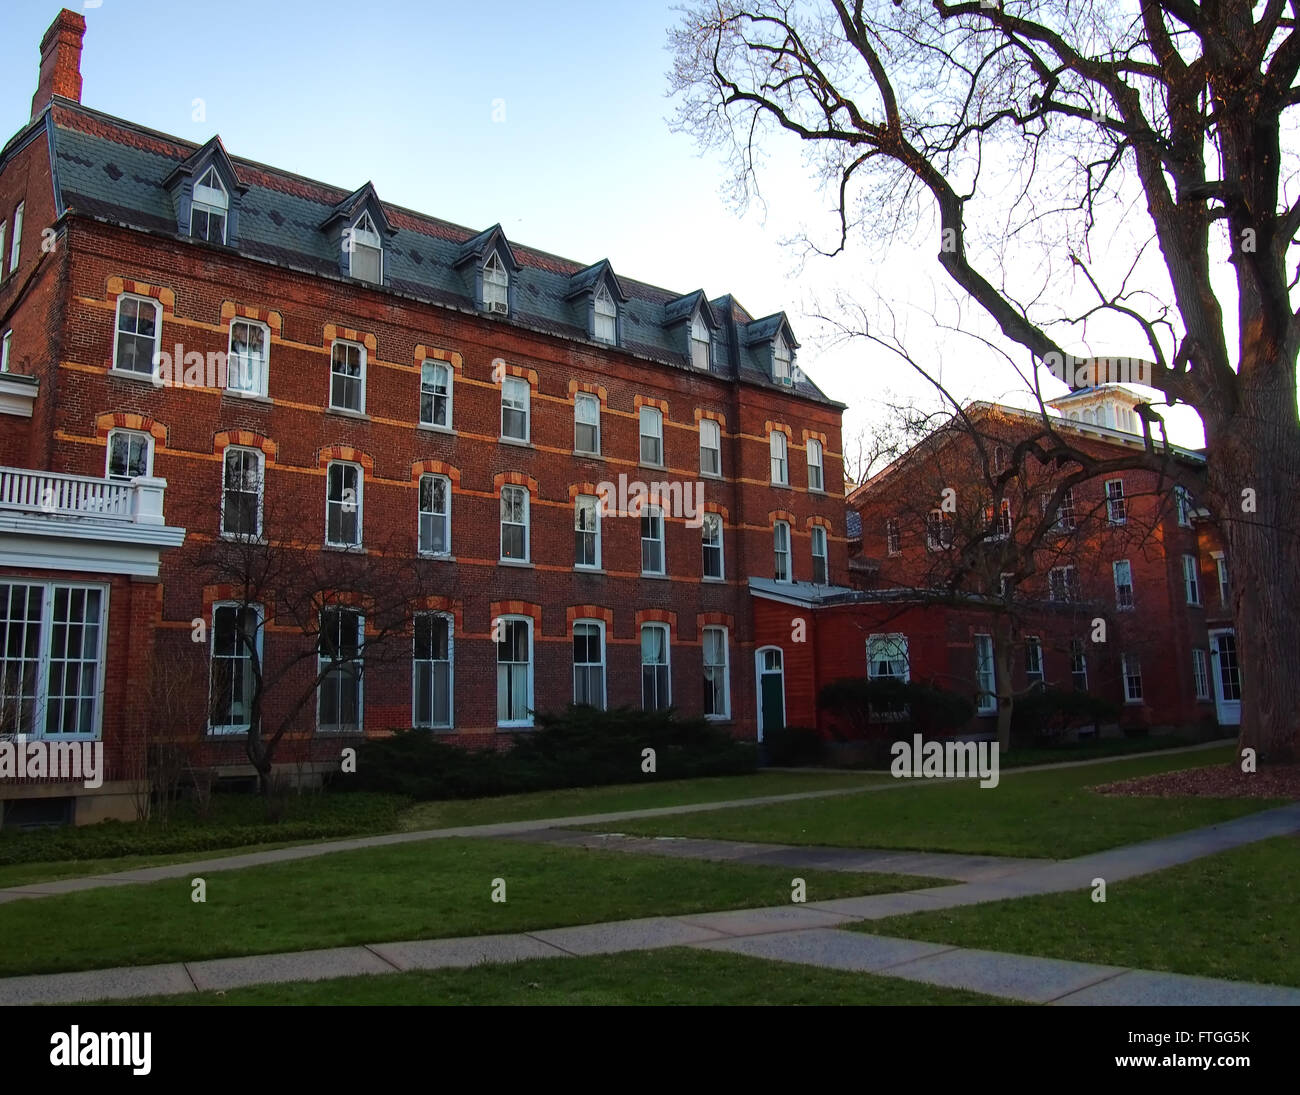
<point x="579" y="747"/>
<point x="885" y="707"/>
<point x="794" y="745"/>
<point x="1047" y="716"/>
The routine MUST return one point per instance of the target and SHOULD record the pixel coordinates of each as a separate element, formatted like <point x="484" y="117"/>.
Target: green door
<point x="771" y="690"/>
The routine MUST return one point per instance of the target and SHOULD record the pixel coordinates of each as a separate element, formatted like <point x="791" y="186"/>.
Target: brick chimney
<point x="60" y="60"/>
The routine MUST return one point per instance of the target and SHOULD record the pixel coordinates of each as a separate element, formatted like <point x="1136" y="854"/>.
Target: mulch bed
<point x="1219" y="781"/>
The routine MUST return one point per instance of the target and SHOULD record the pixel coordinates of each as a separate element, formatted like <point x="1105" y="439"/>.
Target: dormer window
<point x="209" y="209"/>
<point x="700" y="342"/>
<point x="606" y="321"/>
<point x="365" y="251"/>
<point x="781" y="362"/>
<point x="496" y="285"/>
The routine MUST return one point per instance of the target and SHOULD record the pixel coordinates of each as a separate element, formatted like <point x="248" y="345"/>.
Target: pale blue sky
<point x="403" y="93"/>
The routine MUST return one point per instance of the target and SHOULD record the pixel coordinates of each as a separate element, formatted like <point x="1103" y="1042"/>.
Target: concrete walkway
<point x="805" y="934"/>
<point x="963" y="868"/>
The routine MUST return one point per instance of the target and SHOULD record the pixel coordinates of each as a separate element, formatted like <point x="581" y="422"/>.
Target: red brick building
<point x="1129" y="548"/>
<point x="270" y="358"/>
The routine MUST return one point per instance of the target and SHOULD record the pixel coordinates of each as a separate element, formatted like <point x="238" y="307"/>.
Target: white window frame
<point x="1129" y="675"/>
<point x="214" y="201"/>
<point x="359" y="379"/>
<point x="580" y="400"/>
<point x="815" y="482"/>
<point x="430" y="366"/>
<point x="118" y="333"/>
<point x="363" y="235"/>
<point x="259" y="459"/>
<point x="1192" y="580"/>
<point x="651" y="428"/>
<point x="654" y="514"/>
<point x="1123" y="602"/>
<point x="724" y="666"/>
<point x="711" y="430"/>
<point x="260" y="380"/>
<point x="778" y="447"/>
<point x="701" y="340"/>
<point x="818" y="536"/>
<point x="1035" y="670"/>
<point x="1078" y="664"/>
<point x="592" y="504"/>
<point x="4" y="351"/>
<point x="526" y="524"/>
<point x="4" y="235"/>
<point x="666" y="701"/>
<point x="417" y="662"/>
<point x="129" y="435"/>
<point x="1065" y="520"/>
<point x="1068" y="586"/>
<point x="939" y="526"/>
<point x="434" y="515"/>
<point x="887" y="657"/>
<point x="1183" y="506"/>
<point x="531" y="670"/>
<point x="1221" y="573"/>
<point x="604" y="318"/>
<point x="42" y="658"/>
<point x="259" y="616"/>
<point x="706" y="546"/>
<point x="357" y="664"/>
<point x="782" y="561"/>
<point x="893" y="536"/>
<point x="1116" y="503"/>
<point x="599" y="625"/>
<point x="782" y="360"/>
<point x="986" y="675"/>
<point x="16" y="246"/>
<point x="521" y="402"/>
<point x="1201" y="672"/>
<point x="496" y="285"/>
<point x="343" y="502"/>
<point x="1001" y="526"/>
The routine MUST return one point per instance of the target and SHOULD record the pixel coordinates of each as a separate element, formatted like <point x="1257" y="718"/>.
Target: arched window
<point x="496" y="285"/>
<point x="209" y="208"/>
<point x="606" y="322"/>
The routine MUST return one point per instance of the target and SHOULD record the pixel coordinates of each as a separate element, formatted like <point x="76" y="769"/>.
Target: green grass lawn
<point x="1087" y="750"/>
<point x="237" y="822"/>
<point x="1229" y="915"/>
<point x="665" y="977"/>
<point x="1051" y="814"/>
<point x="424" y="890"/>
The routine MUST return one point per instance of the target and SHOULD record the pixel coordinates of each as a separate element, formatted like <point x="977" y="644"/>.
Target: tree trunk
<point x="1259" y="452"/>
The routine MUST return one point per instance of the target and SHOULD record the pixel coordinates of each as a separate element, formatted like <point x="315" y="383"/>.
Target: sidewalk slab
<point x="436" y="954"/>
<point x="262" y="969"/>
<point x="830" y="949"/>
<point x="879" y="906"/>
<point x="778" y="918"/>
<point x="625" y="935"/>
<point x="112" y="984"/>
<point x="1011" y="976"/>
<point x="1149" y="988"/>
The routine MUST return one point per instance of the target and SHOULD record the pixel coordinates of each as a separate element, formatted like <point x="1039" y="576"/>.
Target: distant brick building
<point x="1131" y="549"/>
<point x="399" y="385"/>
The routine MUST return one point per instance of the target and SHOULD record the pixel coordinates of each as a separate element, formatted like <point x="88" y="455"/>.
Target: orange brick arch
<point x="781" y="515"/>
<point x="657" y="616"/>
<point x="778" y="427"/>
<point x="713" y="416"/>
<point x="576" y="489"/>
<point x="598" y="390"/>
<point x="720" y="509"/>
<point x="813" y="435"/>
<point x="247" y="439"/>
<point x="231" y="310"/>
<point x="818" y="519"/>
<point x="646" y="401"/>
<point x="434" y="353"/>
<point x="516" y="608"/>
<point x="715" y="619"/>
<point x="439" y="603"/>
<point x="516" y="478"/>
<point x="128" y="420"/>
<point x="588" y="612"/>
<point x="435" y="467"/>
<point x="348" y="453"/>
<point x="116" y="286"/>
<point x="348" y="334"/>
<point x="502" y="369"/>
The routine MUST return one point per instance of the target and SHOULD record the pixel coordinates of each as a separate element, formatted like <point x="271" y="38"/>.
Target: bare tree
<point x="1060" y="127"/>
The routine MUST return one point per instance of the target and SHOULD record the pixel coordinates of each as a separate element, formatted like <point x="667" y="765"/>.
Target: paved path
<point x="963" y="868"/>
<point x="501" y="829"/>
<point x="808" y="934"/>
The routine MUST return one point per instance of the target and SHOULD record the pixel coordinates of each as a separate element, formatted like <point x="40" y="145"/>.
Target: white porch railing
<point x="56" y="495"/>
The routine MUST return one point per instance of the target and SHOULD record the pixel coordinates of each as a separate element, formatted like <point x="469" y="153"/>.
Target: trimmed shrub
<point x="793" y="746"/>
<point x="1046" y="716"/>
<point x="885" y="707"/>
<point x="579" y="747"/>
